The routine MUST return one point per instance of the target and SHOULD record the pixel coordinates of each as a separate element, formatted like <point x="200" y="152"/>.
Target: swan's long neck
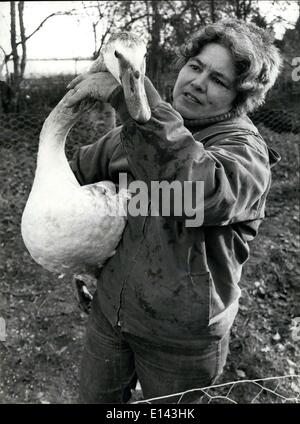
<point x="53" y="136"/>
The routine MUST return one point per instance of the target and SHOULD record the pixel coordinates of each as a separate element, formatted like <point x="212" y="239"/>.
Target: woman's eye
<point x="219" y="82"/>
<point x="195" y="67"/>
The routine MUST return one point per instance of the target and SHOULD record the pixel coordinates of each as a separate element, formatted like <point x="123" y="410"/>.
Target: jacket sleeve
<point x="90" y="163"/>
<point x="235" y="169"/>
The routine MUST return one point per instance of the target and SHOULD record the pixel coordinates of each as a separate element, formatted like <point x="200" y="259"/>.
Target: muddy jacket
<point x="169" y="281"/>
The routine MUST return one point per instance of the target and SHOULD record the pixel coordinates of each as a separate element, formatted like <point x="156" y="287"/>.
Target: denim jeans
<point x="113" y="360"/>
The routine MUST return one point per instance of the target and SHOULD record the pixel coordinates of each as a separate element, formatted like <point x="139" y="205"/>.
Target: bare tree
<point x="112" y="16"/>
<point x="18" y="40"/>
<point x="107" y="11"/>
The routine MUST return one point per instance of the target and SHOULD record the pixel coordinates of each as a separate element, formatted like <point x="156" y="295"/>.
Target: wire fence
<point x="278" y="120"/>
<point x="282" y="389"/>
<point x="280" y="129"/>
<point x="20" y="128"/>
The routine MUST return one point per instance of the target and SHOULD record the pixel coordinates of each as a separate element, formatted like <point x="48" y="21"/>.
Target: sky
<point x="61" y="36"/>
<point x="69" y="37"/>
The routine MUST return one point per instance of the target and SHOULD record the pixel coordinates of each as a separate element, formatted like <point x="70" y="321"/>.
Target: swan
<point x="68" y="228"/>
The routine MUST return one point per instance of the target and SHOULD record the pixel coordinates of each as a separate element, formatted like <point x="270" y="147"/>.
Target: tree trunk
<point x="15" y="77"/>
<point x="212" y="11"/>
<point x="238" y="9"/>
<point x="154" y="56"/>
<point x="23" y="39"/>
<point x="13" y="40"/>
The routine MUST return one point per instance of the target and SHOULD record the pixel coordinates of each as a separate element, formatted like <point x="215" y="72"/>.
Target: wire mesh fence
<point x="280" y="129"/>
<point x="282" y="389"/>
<point x="278" y="120"/>
<point x="25" y="127"/>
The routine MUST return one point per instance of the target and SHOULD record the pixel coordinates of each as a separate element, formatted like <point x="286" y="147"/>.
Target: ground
<point x="45" y="328"/>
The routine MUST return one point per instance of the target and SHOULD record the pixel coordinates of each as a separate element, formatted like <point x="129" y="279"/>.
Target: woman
<point x="166" y="301"/>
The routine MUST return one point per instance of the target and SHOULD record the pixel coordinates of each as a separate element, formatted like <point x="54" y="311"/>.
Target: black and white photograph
<point x="149" y="204"/>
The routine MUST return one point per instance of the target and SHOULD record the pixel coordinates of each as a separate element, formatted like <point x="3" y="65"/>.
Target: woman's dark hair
<point x="257" y="61"/>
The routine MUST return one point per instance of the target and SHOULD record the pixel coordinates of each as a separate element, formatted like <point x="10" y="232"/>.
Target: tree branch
<point x="46" y="19"/>
<point x="135" y="19"/>
<point x="171" y="5"/>
<point x="4" y="62"/>
<point x="1" y="48"/>
<point x="195" y="8"/>
<point x="40" y="26"/>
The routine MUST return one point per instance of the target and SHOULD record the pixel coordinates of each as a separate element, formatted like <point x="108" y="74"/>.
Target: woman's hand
<point x="98" y="86"/>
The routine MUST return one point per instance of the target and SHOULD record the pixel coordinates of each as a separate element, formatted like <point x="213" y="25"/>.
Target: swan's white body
<point x="67" y="227"/>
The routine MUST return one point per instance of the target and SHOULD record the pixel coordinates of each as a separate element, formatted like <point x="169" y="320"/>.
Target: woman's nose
<point x="200" y="83"/>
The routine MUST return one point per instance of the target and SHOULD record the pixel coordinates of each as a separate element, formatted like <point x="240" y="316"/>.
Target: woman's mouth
<point x="192" y="98"/>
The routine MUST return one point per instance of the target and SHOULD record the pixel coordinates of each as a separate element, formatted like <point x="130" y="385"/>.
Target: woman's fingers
<point x="76" y="95"/>
<point x="85" y="87"/>
<point x="76" y="81"/>
<point x="98" y="65"/>
<point x="97" y="86"/>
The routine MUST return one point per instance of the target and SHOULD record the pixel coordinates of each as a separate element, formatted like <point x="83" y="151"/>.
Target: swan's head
<point x="124" y="57"/>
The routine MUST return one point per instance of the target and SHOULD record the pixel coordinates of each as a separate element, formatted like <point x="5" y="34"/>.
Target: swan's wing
<point x="112" y="203"/>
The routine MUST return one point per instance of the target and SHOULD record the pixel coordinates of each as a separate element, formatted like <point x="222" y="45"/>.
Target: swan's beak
<point x="132" y="80"/>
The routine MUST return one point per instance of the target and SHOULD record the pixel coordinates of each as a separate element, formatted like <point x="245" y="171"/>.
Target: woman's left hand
<point x="98" y="86"/>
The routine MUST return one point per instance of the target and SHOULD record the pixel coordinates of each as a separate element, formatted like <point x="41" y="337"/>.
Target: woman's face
<point x="205" y="84"/>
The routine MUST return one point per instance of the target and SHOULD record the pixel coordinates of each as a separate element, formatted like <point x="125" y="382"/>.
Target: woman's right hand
<point x="98" y="86"/>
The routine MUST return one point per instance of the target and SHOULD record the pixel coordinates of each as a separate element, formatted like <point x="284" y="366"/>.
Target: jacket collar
<point x="195" y="125"/>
